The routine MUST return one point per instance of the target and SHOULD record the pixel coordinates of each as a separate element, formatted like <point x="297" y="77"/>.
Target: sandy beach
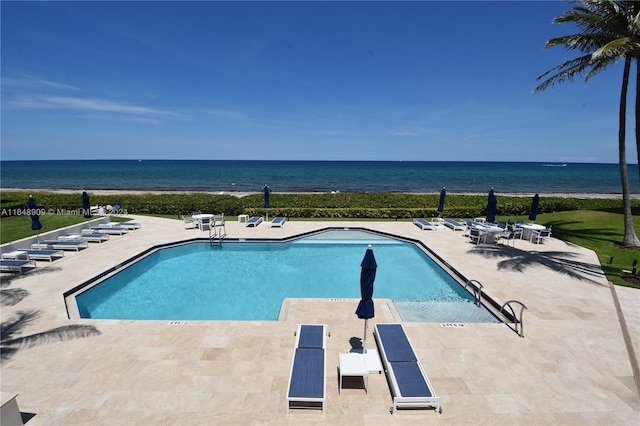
<point x="242" y="194"/>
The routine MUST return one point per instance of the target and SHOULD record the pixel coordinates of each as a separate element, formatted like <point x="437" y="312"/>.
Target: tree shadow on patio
<point x="12" y="327"/>
<point x="9" y="344"/>
<point x="563" y="262"/>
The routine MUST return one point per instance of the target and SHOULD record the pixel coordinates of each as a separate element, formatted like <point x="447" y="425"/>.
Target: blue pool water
<point x="249" y="280"/>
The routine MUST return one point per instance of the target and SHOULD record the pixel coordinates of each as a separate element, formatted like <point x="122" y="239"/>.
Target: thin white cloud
<point x="89" y="104"/>
<point x="34" y="83"/>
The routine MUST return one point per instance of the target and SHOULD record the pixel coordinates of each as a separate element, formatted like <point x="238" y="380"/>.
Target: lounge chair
<point x="128" y="225"/>
<point x="409" y="384"/>
<point x="99" y="237"/>
<point x="111" y="230"/>
<point x="424" y="224"/>
<point x="92" y="238"/>
<point x="49" y="255"/>
<point x="277" y="222"/>
<point x="254" y="221"/>
<point x="59" y="245"/>
<point x="16" y="265"/>
<point x="456" y="226"/>
<point x="307" y="385"/>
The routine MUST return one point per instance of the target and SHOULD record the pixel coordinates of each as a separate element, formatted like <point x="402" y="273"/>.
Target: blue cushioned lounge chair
<point x="307" y="385"/>
<point x="456" y="226"/>
<point x="424" y="224"/>
<point x="254" y="221"/>
<point x="409" y="384"/>
<point x="277" y="221"/>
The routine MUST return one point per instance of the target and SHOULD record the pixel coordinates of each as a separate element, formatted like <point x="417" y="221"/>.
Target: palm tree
<point x="610" y="31"/>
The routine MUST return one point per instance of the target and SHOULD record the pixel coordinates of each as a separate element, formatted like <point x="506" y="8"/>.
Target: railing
<point x="516" y="319"/>
<point x="477" y="290"/>
<point x="217" y="230"/>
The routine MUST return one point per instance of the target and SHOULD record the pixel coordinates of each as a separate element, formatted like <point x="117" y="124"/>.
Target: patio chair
<point x="511" y="234"/>
<point x="476" y="236"/>
<point x="541" y="236"/>
<point x="189" y="223"/>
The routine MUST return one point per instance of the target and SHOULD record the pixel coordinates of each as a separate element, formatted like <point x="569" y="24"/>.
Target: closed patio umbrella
<point x="367" y="277"/>
<point x="443" y="194"/>
<point x="86" y="205"/>
<point x="266" y="191"/>
<point x="32" y="205"/>
<point x="492" y="206"/>
<point x="534" y="207"/>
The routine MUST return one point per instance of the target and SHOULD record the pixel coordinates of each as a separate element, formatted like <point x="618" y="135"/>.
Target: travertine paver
<point x="571" y="367"/>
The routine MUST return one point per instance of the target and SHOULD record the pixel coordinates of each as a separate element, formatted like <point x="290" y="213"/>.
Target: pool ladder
<point x="477" y="290"/>
<point x="217" y="230"/>
<point x="516" y="319"/>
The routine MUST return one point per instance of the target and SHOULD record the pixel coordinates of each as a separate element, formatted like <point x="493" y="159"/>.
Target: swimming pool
<point x="249" y="280"/>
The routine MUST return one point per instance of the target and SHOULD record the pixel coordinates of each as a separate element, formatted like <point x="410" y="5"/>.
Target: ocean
<point x="317" y="176"/>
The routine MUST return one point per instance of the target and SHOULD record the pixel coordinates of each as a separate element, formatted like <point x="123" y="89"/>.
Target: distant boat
<point x="554" y="165"/>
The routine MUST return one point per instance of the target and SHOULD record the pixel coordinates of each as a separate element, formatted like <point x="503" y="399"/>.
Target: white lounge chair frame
<point x="312" y="402"/>
<point x="424" y="224"/>
<point x="59" y="245"/>
<point x="111" y="230"/>
<point x="399" y="400"/>
<point x="277" y="222"/>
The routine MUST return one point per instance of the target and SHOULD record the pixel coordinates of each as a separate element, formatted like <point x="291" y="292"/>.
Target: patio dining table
<point x="490" y="232"/>
<point x="198" y="218"/>
<point x="528" y="228"/>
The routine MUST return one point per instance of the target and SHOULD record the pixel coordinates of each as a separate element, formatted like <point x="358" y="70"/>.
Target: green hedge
<point x="341" y="205"/>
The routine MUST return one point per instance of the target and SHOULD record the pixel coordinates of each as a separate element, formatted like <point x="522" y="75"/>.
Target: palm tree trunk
<point x="638" y="115"/>
<point x="630" y="238"/>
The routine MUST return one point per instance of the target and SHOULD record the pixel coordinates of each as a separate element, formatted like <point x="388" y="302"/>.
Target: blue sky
<point x="297" y="81"/>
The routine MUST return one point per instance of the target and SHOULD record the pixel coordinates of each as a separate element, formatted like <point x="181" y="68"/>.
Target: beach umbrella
<point x="86" y="205"/>
<point x="443" y="194"/>
<point x="534" y="207"/>
<point x="32" y="205"/>
<point x="492" y="206"/>
<point x="367" y="276"/>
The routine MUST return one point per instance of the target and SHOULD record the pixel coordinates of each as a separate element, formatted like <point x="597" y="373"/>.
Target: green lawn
<point x="596" y="230"/>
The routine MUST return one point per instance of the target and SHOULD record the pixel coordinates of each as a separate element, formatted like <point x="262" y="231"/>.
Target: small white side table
<point x="243" y="218"/>
<point x="353" y="364"/>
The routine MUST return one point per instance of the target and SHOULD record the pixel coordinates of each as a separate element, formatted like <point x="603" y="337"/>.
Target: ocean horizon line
<point x="319" y="176"/>
<point x="557" y="162"/>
